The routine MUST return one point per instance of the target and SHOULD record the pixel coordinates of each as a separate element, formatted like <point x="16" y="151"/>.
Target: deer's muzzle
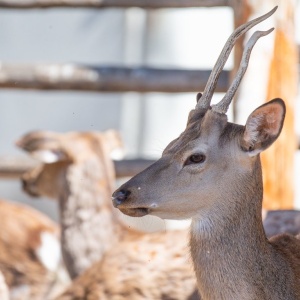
<point x="120" y="199"/>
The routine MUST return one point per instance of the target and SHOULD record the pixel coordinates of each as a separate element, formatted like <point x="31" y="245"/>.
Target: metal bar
<point x="155" y="4"/>
<point x="105" y="79"/>
<point x="14" y="167"/>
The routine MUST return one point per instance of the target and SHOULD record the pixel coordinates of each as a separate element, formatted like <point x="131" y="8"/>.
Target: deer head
<point x="212" y="157"/>
<point x="59" y="151"/>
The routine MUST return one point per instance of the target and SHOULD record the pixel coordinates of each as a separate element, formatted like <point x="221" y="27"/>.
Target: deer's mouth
<point x="135" y="212"/>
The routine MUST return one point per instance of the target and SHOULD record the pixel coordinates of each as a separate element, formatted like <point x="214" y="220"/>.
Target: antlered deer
<point x="212" y="174"/>
<point x="78" y="172"/>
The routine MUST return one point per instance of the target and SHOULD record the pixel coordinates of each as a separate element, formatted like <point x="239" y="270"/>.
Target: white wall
<point x="187" y="38"/>
<point x="56" y="35"/>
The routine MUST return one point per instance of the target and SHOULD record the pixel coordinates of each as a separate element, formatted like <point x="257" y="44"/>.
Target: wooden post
<point x="272" y="73"/>
<point x="12" y="167"/>
<point x="278" y="161"/>
<point x="241" y="12"/>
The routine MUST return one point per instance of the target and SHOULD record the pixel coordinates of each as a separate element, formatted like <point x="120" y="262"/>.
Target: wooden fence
<point x="119" y="79"/>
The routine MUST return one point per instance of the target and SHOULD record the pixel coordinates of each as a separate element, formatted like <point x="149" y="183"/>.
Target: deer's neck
<point x="228" y="244"/>
<point x="89" y="224"/>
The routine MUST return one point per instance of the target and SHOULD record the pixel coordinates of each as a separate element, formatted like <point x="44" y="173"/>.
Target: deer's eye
<point x="197" y="158"/>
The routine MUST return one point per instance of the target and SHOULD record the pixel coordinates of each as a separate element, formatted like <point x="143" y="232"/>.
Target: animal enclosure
<point x="121" y="89"/>
<point x="145" y="79"/>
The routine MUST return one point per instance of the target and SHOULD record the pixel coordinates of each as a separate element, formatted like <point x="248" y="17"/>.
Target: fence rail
<point x="105" y="79"/>
<point x="14" y="167"/>
<point x="153" y="4"/>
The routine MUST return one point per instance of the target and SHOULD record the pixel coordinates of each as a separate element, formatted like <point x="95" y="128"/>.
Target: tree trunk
<point x="278" y="161"/>
<point x="272" y="73"/>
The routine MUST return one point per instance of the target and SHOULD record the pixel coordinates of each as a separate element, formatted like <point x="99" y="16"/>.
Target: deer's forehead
<point x="211" y="132"/>
<point x="201" y="125"/>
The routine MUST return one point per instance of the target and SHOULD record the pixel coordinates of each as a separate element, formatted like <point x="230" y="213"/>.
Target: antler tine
<point x="223" y="105"/>
<point x="218" y="67"/>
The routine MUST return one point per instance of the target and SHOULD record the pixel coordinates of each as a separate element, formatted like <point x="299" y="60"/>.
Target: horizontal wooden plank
<point x="105" y="78"/>
<point x="153" y="4"/>
<point x="14" y="167"/>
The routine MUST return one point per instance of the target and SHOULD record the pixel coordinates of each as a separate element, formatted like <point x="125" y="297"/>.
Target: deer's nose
<point x="118" y="197"/>
<point x="25" y="184"/>
<point x="29" y="188"/>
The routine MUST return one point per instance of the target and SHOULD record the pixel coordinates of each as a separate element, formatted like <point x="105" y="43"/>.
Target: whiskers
<point x="157" y="147"/>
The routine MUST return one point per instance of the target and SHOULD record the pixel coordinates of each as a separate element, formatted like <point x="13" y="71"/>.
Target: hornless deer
<point x="78" y="171"/>
<point x="212" y="174"/>
<point x="30" y="256"/>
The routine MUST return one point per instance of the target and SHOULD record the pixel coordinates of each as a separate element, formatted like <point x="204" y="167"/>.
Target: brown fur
<point x="232" y="257"/>
<point x="20" y="239"/>
<point x="154" y="266"/>
<point x="131" y="264"/>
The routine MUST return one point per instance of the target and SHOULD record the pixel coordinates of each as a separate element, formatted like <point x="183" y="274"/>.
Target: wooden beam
<point x="14" y="167"/>
<point x="272" y="73"/>
<point x="27" y="4"/>
<point x="105" y="79"/>
<point x="278" y="161"/>
<point x="241" y="12"/>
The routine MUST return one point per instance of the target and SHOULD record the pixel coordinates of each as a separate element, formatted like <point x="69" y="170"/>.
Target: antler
<point x="223" y="105"/>
<point x="218" y="67"/>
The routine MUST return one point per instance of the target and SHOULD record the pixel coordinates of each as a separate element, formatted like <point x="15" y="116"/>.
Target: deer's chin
<point x="135" y="212"/>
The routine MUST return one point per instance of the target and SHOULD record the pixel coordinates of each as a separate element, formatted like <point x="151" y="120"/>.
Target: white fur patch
<point x="49" y="252"/>
<point x="20" y="292"/>
<point x="177" y="224"/>
<point x="117" y="154"/>
<point x="45" y="156"/>
<point x="3" y="288"/>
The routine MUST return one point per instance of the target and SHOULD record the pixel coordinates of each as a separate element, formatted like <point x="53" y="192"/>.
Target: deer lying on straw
<point x="30" y="256"/>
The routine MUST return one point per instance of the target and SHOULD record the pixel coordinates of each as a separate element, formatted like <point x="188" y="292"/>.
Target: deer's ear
<point x="263" y="127"/>
<point x="44" y="146"/>
<point x="49" y="156"/>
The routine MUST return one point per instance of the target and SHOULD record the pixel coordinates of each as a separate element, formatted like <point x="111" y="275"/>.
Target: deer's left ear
<point x="263" y="127"/>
